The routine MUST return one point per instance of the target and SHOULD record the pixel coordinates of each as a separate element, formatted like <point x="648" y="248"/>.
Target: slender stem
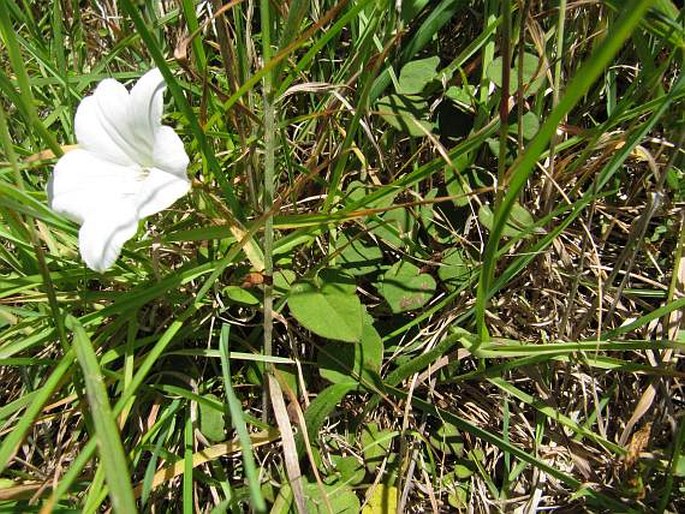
<point x="556" y="91"/>
<point x="505" y="48"/>
<point x="268" y="192"/>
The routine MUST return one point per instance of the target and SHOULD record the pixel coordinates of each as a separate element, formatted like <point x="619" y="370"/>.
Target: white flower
<point x="127" y="166"/>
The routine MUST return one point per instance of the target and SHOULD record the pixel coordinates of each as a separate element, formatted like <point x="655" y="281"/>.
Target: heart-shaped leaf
<point x="416" y="75"/>
<point x="340" y="498"/>
<point x="529" y="126"/>
<point x="406" y="114"/>
<point x="454" y="268"/>
<point x="358" y="257"/>
<point x="328" y="306"/>
<point x="532" y="78"/>
<point x="405" y="288"/>
<point x="341" y="363"/>
<point x="519" y="220"/>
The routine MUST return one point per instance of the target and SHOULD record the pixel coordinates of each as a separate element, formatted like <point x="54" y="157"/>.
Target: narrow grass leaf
<point x="235" y="412"/>
<point x="110" y="447"/>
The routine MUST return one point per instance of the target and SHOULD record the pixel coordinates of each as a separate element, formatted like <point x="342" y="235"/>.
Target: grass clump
<point x="431" y="261"/>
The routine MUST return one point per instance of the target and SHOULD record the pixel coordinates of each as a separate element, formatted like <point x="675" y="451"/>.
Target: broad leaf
<point x="405" y="288"/>
<point x="240" y="295"/>
<point x="532" y="78"/>
<point x="328" y="306"/>
<point x="406" y="113"/>
<point x="357" y="257"/>
<point x="348" y="469"/>
<point x="340" y="499"/>
<point x="397" y="225"/>
<point x="346" y="363"/>
<point x="416" y="75"/>
<point x="519" y="220"/>
<point x="454" y="268"/>
<point x="383" y="500"/>
<point x="463" y="97"/>
<point x="529" y="126"/>
<point x="376" y="444"/>
<point x="212" y="420"/>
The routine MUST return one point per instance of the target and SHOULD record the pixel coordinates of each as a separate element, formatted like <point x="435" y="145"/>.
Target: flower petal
<point x="169" y="153"/>
<point x="145" y="108"/>
<point x="159" y="191"/>
<point x="104" y="233"/>
<point x="102" y="127"/>
<point x="82" y="182"/>
<point x="120" y="126"/>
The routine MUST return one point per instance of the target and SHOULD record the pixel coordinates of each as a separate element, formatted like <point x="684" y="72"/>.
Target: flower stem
<point x="268" y="192"/>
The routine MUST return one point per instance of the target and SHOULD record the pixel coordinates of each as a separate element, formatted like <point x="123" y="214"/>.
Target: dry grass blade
<point x="292" y="464"/>
<point x="209" y="454"/>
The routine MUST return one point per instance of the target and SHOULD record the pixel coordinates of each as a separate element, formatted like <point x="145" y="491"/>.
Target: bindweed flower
<point x="127" y="166"/>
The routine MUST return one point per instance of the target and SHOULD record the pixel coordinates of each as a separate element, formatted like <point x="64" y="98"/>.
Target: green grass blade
<point x="427" y="407"/>
<point x="188" y="440"/>
<point x="235" y="412"/>
<point x="110" y="447"/>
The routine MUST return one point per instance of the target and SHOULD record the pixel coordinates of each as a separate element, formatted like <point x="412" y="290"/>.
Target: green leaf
<point x="358" y="257"/>
<point x="376" y="445"/>
<point x="345" y="363"/>
<point x="283" y="280"/>
<point x="463" y="470"/>
<point x="319" y="409"/>
<point x="519" y="220"/>
<point x="532" y="79"/>
<point x="462" y="96"/>
<point x="406" y="113"/>
<point x="458" y="497"/>
<point x="328" y="306"/>
<point x="355" y="192"/>
<point x="350" y="470"/>
<point x="211" y="420"/>
<point x="415" y="75"/>
<point x="109" y="443"/>
<point x="383" y="500"/>
<point x="455" y="188"/>
<point x="680" y="466"/>
<point x="240" y="295"/>
<point x="405" y="288"/>
<point x="411" y="9"/>
<point x="234" y="411"/>
<point x="341" y="499"/>
<point x="433" y="219"/>
<point x="448" y="439"/>
<point x="454" y="268"/>
<point x="397" y="225"/>
<point x="529" y="126"/>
